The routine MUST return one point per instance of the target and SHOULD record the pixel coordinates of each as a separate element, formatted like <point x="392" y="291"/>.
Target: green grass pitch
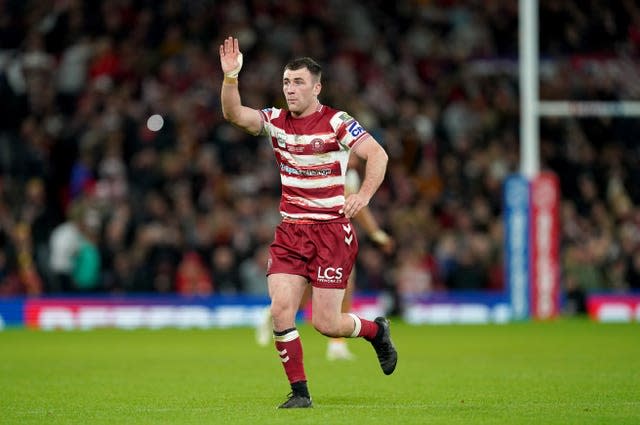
<point x="566" y="372"/>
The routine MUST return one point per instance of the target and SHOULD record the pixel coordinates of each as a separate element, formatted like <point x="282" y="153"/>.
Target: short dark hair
<point x="314" y="67"/>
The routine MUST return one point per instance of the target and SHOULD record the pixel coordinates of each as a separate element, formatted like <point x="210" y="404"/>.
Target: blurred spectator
<point x="28" y="275"/>
<point x="75" y="261"/>
<point x="633" y="271"/>
<point x="64" y="243"/>
<point x="415" y="274"/>
<point x="253" y="272"/>
<point x="87" y="264"/>
<point x="225" y="270"/>
<point x="372" y="272"/>
<point x="193" y="277"/>
<point x="9" y="282"/>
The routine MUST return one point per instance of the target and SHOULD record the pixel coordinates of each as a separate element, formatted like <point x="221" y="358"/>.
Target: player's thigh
<point x="327" y="305"/>
<point x="286" y="291"/>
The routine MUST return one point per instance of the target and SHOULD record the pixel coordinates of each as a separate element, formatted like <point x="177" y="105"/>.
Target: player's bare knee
<point x="326" y="327"/>
<point x="281" y="312"/>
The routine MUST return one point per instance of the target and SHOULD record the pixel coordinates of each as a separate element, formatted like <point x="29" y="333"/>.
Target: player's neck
<point x="312" y="109"/>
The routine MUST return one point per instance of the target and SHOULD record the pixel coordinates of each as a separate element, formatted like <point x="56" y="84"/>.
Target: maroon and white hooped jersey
<point x="312" y="155"/>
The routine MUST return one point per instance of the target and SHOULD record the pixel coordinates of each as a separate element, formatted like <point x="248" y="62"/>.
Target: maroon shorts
<point x="323" y="253"/>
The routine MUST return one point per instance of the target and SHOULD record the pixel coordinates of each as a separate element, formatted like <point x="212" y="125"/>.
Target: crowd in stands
<point x="94" y="197"/>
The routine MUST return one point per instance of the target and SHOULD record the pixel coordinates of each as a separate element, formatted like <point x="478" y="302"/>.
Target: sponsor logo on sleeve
<point x="355" y="129"/>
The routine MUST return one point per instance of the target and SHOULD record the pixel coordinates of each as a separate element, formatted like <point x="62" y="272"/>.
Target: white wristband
<point x="235" y="71"/>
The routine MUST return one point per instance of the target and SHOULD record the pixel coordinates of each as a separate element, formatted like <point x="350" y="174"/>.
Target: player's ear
<point x="317" y="87"/>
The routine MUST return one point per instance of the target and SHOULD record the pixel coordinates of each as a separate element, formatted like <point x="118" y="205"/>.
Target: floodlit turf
<point x="568" y="372"/>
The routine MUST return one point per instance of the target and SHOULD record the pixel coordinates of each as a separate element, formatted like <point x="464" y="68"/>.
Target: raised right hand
<point x="230" y="56"/>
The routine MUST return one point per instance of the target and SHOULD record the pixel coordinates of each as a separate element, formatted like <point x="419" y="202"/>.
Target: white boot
<point x="338" y="350"/>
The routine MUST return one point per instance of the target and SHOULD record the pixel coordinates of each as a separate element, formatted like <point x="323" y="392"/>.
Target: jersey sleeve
<point x="268" y="115"/>
<point x="265" y="115"/>
<point x="348" y="130"/>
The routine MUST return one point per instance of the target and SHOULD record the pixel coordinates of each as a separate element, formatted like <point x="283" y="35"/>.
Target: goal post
<point x="528" y="69"/>
<point x="531" y="197"/>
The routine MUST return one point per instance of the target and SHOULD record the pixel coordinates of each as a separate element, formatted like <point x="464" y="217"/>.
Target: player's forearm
<point x="366" y="219"/>
<point x="230" y="100"/>
<point x="374" y="173"/>
<point x="370" y="225"/>
<point x="248" y="119"/>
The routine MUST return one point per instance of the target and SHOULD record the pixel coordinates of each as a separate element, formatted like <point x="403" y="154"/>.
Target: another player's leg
<point x="286" y="292"/>
<point x="330" y="321"/>
<point x="264" y="328"/>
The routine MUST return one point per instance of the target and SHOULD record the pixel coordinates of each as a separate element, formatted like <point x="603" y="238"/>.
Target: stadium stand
<point x="435" y="81"/>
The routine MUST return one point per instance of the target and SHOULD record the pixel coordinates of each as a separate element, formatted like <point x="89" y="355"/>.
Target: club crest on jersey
<point x="317" y="145"/>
